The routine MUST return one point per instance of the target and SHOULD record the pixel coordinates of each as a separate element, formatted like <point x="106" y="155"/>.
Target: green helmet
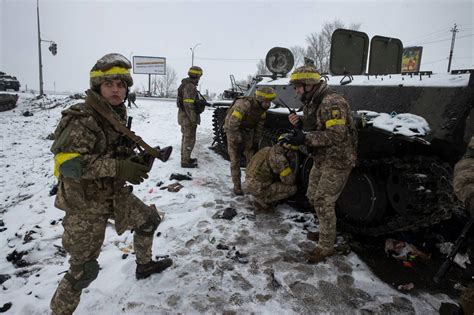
<point x="305" y="75"/>
<point x="111" y="67"/>
<point x="287" y="146"/>
<point x="265" y="94"/>
<point x="195" y="72"/>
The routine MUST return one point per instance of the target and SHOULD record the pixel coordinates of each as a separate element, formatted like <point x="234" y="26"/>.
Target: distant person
<point x="463" y="183"/>
<point x="93" y="166"/>
<point x="331" y="137"/>
<point x="244" y="127"/>
<point x="190" y="107"/>
<point x="132" y="97"/>
<point x="269" y="176"/>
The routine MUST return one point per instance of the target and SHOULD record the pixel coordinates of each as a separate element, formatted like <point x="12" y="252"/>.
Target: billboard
<point x="411" y="59"/>
<point x="149" y="65"/>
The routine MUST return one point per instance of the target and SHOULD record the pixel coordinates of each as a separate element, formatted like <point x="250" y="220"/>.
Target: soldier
<point x="332" y="139"/>
<point x="132" y="97"/>
<point x="269" y="177"/>
<point x="244" y="127"/>
<point x="463" y="183"/>
<point x="190" y="107"/>
<point x="93" y="162"/>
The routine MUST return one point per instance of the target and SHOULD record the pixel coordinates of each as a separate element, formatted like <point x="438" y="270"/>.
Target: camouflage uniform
<point x="244" y="127"/>
<point x="188" y="115"/>
<point x="88" y="151"/>
<point x="332" y="139"/>
<point x="269" y="176"/>
<point x="463" y="183"/>
<point x="132" y="97"/>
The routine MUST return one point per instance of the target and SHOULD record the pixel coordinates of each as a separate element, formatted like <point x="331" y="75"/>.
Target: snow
<point x="433" y="80"/>
<point x="404" y="124"/>
<point x="203" y="279"/>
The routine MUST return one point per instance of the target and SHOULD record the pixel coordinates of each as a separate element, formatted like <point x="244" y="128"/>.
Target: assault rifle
<point x="201" y="103"/>
<point x="147" y="153"/>
<point x="446" y="266"/>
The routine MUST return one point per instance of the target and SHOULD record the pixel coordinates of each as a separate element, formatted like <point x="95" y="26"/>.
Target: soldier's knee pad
<point x="150" y="226"/>
<point x="90" y="271"/>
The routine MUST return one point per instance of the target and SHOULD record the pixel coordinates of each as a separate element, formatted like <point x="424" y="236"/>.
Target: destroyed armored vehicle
<point x="8" y="82"/>
<point x="418" y="126"/>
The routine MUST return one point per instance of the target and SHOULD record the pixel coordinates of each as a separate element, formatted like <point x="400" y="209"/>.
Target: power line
<point x="227" y="59"/>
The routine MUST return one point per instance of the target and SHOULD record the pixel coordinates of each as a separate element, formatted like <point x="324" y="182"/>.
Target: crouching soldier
<point x="93" y="163"/>
<point x="244" y="127"/>
<point x="269" y="176"/>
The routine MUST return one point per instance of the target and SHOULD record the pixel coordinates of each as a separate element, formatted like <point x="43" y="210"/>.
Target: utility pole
<point x="454" y="30"/>
<point x="192" y="53"/>
<point x="39" y="52"/>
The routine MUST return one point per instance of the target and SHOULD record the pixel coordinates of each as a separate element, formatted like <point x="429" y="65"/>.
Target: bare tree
<point x="319" y="44"/>
<point x="165" y="85"/>
<point x="299" y="54"/>
<point x="262" y="67"/>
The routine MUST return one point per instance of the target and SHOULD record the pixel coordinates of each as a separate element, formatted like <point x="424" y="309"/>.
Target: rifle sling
<point x="124" y="130"/>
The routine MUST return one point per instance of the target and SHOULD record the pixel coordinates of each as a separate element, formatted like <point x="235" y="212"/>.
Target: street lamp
<point x="192" y="53"/>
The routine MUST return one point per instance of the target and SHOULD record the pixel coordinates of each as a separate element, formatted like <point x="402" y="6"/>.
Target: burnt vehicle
<point x="8" y="82"/>
<point x="402" y="180"/>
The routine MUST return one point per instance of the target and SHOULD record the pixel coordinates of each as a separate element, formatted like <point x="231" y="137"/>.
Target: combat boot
<point x="319" y="255"/>
<point x="189" y="164"/>
<point x="193" y="160"/>
<point x="313" y="236"/>
<point x="145" y="270"/>
<point x="262" y="206"/>
<point x="238" y="190"/>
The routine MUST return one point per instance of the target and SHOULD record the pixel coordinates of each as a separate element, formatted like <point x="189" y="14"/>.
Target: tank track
<point x="429" y="184"/>
<point x="220" y="140"/>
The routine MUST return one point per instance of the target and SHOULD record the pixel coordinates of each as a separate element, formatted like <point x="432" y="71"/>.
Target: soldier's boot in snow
<point x="145" y="270"/>
<point x="193" y="160"/>
<point x="318" y="255"/>
<point x="237" y="187"/>
<point x="189" y="164"/>
<point x="262" y="206"/>
<point x="313" y="236"/>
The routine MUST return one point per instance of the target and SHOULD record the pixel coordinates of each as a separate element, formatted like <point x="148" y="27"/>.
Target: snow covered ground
<point x="268" y="275"/>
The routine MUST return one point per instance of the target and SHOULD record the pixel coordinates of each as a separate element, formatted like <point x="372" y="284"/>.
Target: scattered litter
<point x="237" y="256"/>
<point x="151" y="190"/>
<point x="175" y="187"/>
<point x="190" y="196"/>
<point x="222" y="246"/>
<point x="460" y="259"/>
<point x="16" y="259"/>
<point x="28" y="236"/>
<point x="403" y="250"/>
<point x="229" y="213"/>
<point x="124" y="256"/>
<point x="5" y="307"/>
<point x="4" y="277"/>
<point x="406" y="287"/>
<point x="27" y="113"/>
<point x="178" y="176"/>
<point x="159" y="184"/>
<point x="212" y="240"/>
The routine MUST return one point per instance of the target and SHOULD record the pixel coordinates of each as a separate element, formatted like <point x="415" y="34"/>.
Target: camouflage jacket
<point x="463" y="181"/>
<point x="332" y="135"/>
<point x="271" y="164"/>
<point x="186" y="101"/>
<point x="245" y="113"/>
<point x="82" y="133"/>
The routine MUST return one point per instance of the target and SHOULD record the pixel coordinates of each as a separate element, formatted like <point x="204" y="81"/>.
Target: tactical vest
<point x="254" y="116"/>
<point x="259" y="168"/>
<point x="309" y="121"/>
<point x="179" y="99"/>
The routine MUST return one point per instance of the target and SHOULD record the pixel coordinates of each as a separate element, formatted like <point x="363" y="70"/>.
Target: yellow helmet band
<point x="305" y="75"/>
<point x="111" y="71"/>
<point x="269" y="96"/>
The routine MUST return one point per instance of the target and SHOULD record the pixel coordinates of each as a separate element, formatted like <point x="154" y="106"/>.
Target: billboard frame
<point x="151" y="58"/>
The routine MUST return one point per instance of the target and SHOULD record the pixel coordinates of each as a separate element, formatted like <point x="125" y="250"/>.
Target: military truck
<point x="8" y="82"/>
<point x="402" y="180"/>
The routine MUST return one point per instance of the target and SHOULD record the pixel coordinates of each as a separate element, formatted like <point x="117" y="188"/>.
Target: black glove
<point x="132" y="172"/>
<point x="298" y="137"/>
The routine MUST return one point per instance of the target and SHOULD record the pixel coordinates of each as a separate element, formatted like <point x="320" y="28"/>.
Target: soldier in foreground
<point x="244" y="127"/>
<point x="190" y="108"/>
<point x="463" y="183"/>
<point x="269" y="176"/>
<point x="331" y="136"/>
<point x="93" y="162"/>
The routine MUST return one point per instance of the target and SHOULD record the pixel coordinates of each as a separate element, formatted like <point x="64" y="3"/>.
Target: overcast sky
<point x="233" y="35"/>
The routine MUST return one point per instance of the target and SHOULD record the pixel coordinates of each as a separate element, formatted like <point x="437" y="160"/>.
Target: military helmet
<point x="195" y="72"/>
<point x="111" y="67"/>
<point x="305" y="75"/>
<point x="265" y="94"/>
<point x="287" y="146"/>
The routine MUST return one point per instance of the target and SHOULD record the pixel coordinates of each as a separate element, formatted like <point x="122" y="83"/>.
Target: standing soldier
<point x="93" y="162"/>
<point x="244" y="127"/>
<point x="463" y="184"/>
<point x="332" y="139"/>
<point x="269" y="176"/>
<point x="132" y="97"/>
<point x="190" y="108"/>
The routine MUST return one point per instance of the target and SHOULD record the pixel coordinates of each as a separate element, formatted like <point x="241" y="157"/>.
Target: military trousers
<point x="325" y="185"/>
<point x="235" y="145"/>
<point x="188" y="140"/>
<point x="84" y="234"/>
<point x="270" y="193"/>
